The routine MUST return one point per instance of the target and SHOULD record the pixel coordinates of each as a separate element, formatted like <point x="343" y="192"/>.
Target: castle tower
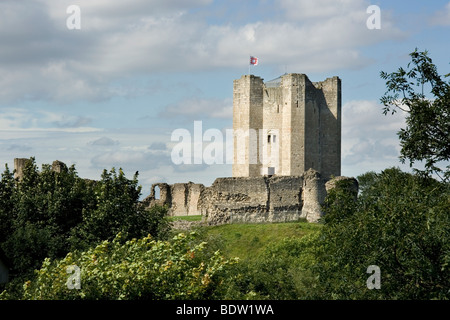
<point x="247" y="120"/>
<point x="286" y="126"/>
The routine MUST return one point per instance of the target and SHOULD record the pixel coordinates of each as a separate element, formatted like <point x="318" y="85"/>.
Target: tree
<point x="114" y="207"/>
<point x="48" y="213"/>
<point x="400" y="223"/>
<point x="40" y="212"/>
<point x="7" y="185"/>
<point x="424" y="96"/>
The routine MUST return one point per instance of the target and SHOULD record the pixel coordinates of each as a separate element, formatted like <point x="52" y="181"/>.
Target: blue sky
<point x="111" y="93"/>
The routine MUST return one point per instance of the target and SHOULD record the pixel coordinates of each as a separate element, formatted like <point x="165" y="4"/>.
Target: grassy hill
<point x="246" y="241"/>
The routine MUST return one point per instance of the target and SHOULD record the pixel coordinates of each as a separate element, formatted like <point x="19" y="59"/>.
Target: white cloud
<point x="158" y="146"/>
<point x="118" y="158"/>
<point x="46" y="61"/>
<point x="442" y="17"/>
<point x="369" y="138"/>
<point x="367" y="115"/>
<point x="320" y="9"/>
<point x="104" y="142"/>
<point x="107" y="14"/>
<point x="195" y="108"/>
<point x="20" y="119"/>
<point x="11" y="119"/>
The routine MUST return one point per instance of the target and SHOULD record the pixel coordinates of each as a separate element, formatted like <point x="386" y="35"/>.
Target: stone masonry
<point x="286" y="126"/>
<point x="181" y="198"/>
<point x="249" y="199"/>
<point x="287" y="155"/>
<point x="287" y="151"/>
<point x="20" y="164"/>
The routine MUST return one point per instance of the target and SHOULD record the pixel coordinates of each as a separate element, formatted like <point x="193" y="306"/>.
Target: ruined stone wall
<point x="313" y="195"/>
<point x="181" y="198"/>
<point x="264" y="199"/>
<point x="347" y="184"/>
<point x="58" y="166"/>
<point x="254" y="199"/>
<point x="236" y="199"/>
<point x="165" y="195"/>
<point x="20" y="163"/>
<point x="185" y="198"/>
<point x="242" y="199"/>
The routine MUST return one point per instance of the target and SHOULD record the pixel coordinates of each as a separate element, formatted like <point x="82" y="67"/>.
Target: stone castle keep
<point x="287" y="147"/>
<point x="287" y="155"/>
<point x="296" y="123"/>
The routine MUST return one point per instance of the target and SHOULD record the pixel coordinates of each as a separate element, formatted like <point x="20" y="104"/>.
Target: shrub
<point x="135" y="269"/>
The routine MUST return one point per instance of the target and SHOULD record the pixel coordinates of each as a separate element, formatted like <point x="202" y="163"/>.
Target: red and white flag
<point x="254" y="61"/>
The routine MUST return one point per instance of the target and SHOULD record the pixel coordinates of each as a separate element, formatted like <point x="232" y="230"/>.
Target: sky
<point x="106" y="86"/>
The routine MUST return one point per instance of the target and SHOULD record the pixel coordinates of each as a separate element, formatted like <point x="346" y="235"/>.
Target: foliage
<point x="49" y="213"/>
<point x="281" y="272"/>
<point x="400" y="223"/>
<point x="427" y="133"/>
<point x="113" y="206"/>
<point x="6" y="203"/>
<point x="137" y="269"/>
<point x="40" y="213"/>
<point x="250" y="240"/>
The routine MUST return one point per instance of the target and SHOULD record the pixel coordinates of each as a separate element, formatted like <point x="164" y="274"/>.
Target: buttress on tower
<point x="286" y="126"/>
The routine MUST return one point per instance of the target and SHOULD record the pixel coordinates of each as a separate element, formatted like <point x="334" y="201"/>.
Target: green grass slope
<point x="247" y="241"/>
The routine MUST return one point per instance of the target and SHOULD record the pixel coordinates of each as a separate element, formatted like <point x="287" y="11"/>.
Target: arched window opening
<point x="157" y="193"/>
